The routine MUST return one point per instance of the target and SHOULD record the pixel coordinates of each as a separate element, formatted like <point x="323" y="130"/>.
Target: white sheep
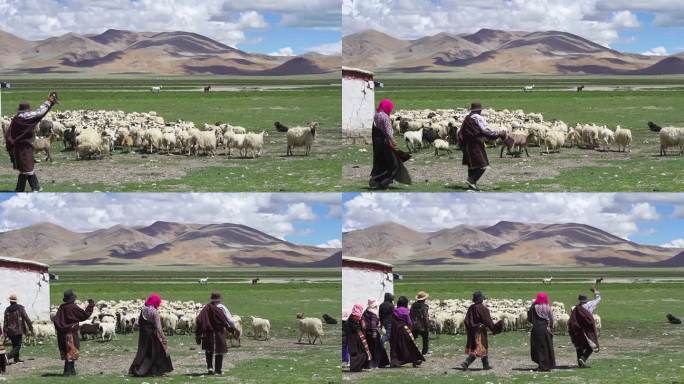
<point x="413" y="139"/>
<point x="168" y="141"/>
<point x="156" y="89"/>
<point x="553" y="141"/>
<point x="254" y="143"/>
<point x="442" y="145"/>
<point x="623" y="139"/>
<point x="311" y="327"/>
<point x="671" y="137"/>
<point x="237" y="320"/>
<point x="607" y="137"/>
<point x="88" y="144"/>
<point x="108" y="331"/>
<point x="260" y="327"/>
<point x="205" y="141"/>
<point x="153" y="137"/>
<point x="301" y="137"/>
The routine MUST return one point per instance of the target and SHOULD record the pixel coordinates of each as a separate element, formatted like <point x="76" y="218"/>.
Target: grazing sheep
<point x="41" y="331"/>
<point x="89" y="144"/>
<point x="623" y="139"/>
<point x="108" y="331"/>
<point x="311" y="327"/>
<point x="203" y="281"/>
<point x="156" y="89"/>
<point x="254" y="143"/>
<point x="413" y="139"/>
<point x="301" y="137"/>
<point x="153" y="137"/>
<point x="260" y="327"/>
<point x="441" y="145"/>
<point x="547" y="280"/>
<point x="127" y="143"/>
<point x="205" y="141"/>
<point x="88" y="329"/>
<point x="607" y="137"/>
<point x="237" y="320"/>
<point x="516" y="141"/>
<point x="671" y="137"/>
<point x="528" y="88"/>
<point x="169" y="323"/>
<point x="430" y="135"/>
<point x="554" y="141"/>
<point x="234" y="140"/>
<point x="42" y="144"/>
<point x="168" y="142"/>
<point x="561" y="325"/>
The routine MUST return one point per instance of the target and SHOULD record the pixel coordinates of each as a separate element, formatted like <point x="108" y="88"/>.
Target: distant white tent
<point x="363" y="279"/>
<point x="30" y="280"/>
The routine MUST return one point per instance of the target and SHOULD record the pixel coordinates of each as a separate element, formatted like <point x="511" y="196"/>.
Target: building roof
<point x="364" y="261"/>
<point x="358" y="70"/>
<point x="22" y="261"/>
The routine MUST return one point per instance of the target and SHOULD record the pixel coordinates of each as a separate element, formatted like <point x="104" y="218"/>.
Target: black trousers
<point x="474" y="174"/>
<point x="584" y="352"/>
<point x="425" y="335"/>
<point x="16" y="347"/>
<point x="21" y="182"/>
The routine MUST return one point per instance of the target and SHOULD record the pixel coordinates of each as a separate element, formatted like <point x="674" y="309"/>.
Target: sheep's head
<point x="300" y="315"/>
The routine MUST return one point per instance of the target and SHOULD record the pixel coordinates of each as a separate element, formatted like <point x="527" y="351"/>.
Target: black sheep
<point x="279" y="127"/>
<point x="429" y="135"/>
<point x="70" y="139"/>
<point x="329" y="319"/>
<point x="672" y="319"/>
<point x="654" y="127"/>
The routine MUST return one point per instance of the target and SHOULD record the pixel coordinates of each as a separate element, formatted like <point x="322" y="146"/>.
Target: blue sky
<point x="263" y="26"/>
<point x="649" y="35"/>
<point x="311" y="218"/>
<point x="646" y="218"/>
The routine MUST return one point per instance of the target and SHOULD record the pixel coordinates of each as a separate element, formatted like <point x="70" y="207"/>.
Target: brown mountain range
<point x="162" y="243"/>
<point x="495" y="51"/>
<point x="506" y="244"/>
<point x="128" y="52"/>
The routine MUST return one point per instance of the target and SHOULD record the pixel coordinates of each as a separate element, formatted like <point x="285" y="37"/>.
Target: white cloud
<point x="592" y="19"/>
<point x="320" y="14"/>
<point x="676" y="243"/>
<point x="286" y="51"/>
<point x="333" y="243"/>
<point x="327" y="49"/>
<point x="657" y="51"/>
<point x="433" y="211"/>
<point x="87" y="212"/>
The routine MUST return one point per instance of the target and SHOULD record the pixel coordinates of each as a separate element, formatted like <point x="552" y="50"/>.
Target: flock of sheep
<point x="447" y="316"/>
<point x="94" y="134"/>
<point x="110" y="318"/>
<point x="439" y="129"/>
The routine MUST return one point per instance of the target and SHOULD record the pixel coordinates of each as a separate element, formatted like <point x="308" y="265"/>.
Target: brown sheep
<point x="42" y="144"/>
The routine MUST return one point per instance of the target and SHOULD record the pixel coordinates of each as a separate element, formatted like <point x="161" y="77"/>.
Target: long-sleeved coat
<point x="476" y="322"/>
<point x="472" y="137"/>
<point x="20" y="135"/>
<point x="212" y="325"/>
<point x="66" y="324"/>
<point x="16" y="321"/>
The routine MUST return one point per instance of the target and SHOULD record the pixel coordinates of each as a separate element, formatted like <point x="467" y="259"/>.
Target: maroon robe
<point x="582" y="327"/>
<point x="19" y="141"/>
<point x="66" y="324"/>
<point x="472" y="141"/>
<point x="476" y="322"/>
<point x="212" y="325"/>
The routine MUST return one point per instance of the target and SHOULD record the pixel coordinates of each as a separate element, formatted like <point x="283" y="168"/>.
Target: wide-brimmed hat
<point x="422" y="295"/>
<point x="69" y="296"/>
<point x="372" y="302"/>
<point x="12" y="297"/>
<point x="215" y="297"/>
<point x="582" y="299"/>
<point x="478" y="296"/>
<point x="24" y="106"/>
<point x="476" y="106"/>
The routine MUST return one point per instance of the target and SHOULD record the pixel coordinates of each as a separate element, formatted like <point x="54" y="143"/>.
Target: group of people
<point x="363" y="345"/>
<point x="214" y="324"/>
<point x="388" y="159"/>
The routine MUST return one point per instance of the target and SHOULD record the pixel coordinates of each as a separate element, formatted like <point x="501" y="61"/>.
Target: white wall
<point x="35" y="298"/>
<point x="360" y="284"/>
<point x="358" y="107"/>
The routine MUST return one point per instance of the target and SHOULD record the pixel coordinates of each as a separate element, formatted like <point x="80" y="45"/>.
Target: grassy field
<point x="253" y="103"/>
<point x="629" y="102"/>
<point x="637" y="344"/>
<point x="280" y="295"/>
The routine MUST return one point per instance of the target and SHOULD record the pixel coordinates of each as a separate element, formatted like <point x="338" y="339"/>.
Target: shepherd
<point x="472" y="136"/>
<point x="212" y="325"/>
<point x="68" y="316"/>
<point x="388" y="159"/>
<point x="19" y="141"/>
<point x="152" y="358"/>
<point x="582" y="327"/>
<point x="420" y="317"/>
<point x="16" y="325"/>
<point x="541" y="338"/>
<point x="477" y="320"/>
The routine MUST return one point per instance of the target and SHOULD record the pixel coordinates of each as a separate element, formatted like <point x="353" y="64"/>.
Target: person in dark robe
<point x="477" y="321"/>
<point x="385" y="312"/>
<point x="371" y="326"/>
<point x="19" y="141"/>
<point x="582" y="327"/>
<point x="420" y="317"/>
<point x="388" y="159"/>
<point x="3" y="356"/>
<point x="403" y="348"/>
<point x="345" y="345"/>
<point x="472" y="136"/>
<point x="211" y="329"/>
<point x="541" y="338"/>
<point x="152" y="358"/>
<point x="17" y="323"/>
<point x="359" y="352"/>
<point x="66" y="321"/>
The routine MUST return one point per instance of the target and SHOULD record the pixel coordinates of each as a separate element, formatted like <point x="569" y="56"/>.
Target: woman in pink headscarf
<point x="153" y="357"/>
<point x="359" y="353"/>
<point x="388" y="159"/>
<point x="541" y="338"/>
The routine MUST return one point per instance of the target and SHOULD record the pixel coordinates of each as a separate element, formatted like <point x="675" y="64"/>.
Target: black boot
<point x="73" y="368"/>
<point x="21" y="183"/>
<point x="485" y="363"/>
<point x="218" y="365"/>
<point x="210" y="362"/>
<point x="67" y="368"/>
<point x="469" y="360"/>
<point x="33" y="182"/>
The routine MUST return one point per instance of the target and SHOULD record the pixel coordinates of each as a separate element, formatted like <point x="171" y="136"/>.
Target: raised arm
<point x="38" y="113"/>
<point x="591" y="305"/>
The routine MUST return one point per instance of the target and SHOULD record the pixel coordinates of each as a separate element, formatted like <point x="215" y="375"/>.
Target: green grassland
<point x="278" y="297"/>
<point x="638" y="345"/>
<point x="253" y="103"/>
<point x="624" y="101"/>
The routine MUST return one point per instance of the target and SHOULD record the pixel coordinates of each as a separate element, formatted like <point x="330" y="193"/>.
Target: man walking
<point x="477" y="321"/>
<point x="419" y="316"/>
<point x="16" y="324"/>
<point x="210" y="333"/>
<point x="582" y="327"/>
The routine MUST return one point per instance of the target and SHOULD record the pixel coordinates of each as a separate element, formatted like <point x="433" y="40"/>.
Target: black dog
<point x="279" y="127"/>
<point x="672" y="319"/>
<point x="328" y="319"/>
<point x="654" y="127"/>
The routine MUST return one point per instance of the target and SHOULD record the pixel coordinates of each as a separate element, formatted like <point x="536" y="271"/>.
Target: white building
<point x="363" y="279"/>
<point x="358" y="102"/>
<point x="30" y="280"/>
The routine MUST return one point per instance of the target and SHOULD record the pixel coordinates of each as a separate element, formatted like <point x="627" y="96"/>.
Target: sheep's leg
<point x="300" y="337"/>
<point x="527" y="153"/>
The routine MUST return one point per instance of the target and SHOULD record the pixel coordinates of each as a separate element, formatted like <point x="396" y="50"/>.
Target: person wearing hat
<point x="420" y="318"/>
<point x="582" y="327"/>
<point x="472" y="136"/>
<point x="371" y="327"/>
<point x="19" y="141"/>
<point x="66" y="321"/>
<point x="152" y="358"/>
<point x="476" y="322"/>
<point x="388" y="159"/>
<point x="16" y="325"/>
<point x="210" y="333"/>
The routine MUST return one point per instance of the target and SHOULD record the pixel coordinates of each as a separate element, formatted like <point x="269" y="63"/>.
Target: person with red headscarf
<point x="153" y="357"/>
<point x="360" y="355"/>
<point x="388" y="159"/>
<point x="541" y="338"/>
